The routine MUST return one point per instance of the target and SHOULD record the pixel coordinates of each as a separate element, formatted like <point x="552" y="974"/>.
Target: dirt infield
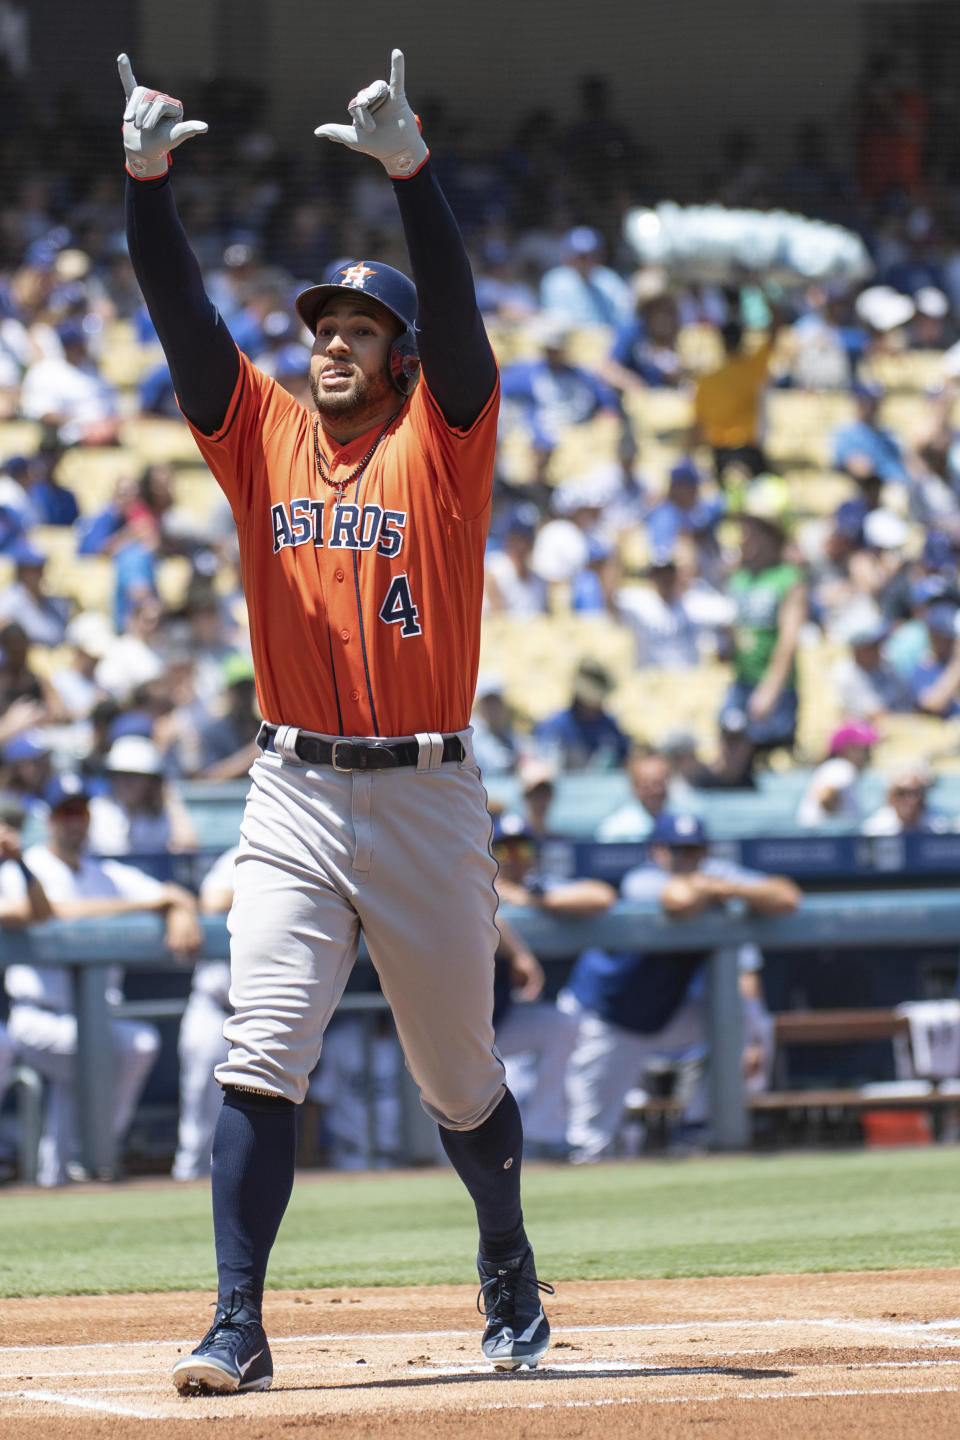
<point x="873" y="1355"/>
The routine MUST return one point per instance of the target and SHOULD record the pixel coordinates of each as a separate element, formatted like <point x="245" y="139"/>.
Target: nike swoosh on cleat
<point x="530" y="1331"/>
<point x="244" y="1368"/>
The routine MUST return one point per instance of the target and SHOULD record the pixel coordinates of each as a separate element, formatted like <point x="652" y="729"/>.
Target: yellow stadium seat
<point x="799" y="424"/>
<point x="700" y="348"/>
<point x="173" y="577"/>
<point x="18" y="437"/>
<point x="649" y="704"/>
<point x="816" y="492"/>
<point x="907" y="415"/>
<point x="660" y="412"/>
<point x="154" y="439"/>
<point x="92" y="472"/>
<point x="908" y="370"/>
<point x="89" y="581"/>
<point x="906" y="739"/>
<point x="59" y="544"/>
<point x="124" y="360"/>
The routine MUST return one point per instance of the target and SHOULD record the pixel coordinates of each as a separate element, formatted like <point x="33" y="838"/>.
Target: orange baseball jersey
<point x="365" y="605"/>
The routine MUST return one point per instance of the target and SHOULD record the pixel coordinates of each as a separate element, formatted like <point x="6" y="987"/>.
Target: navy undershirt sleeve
<point x="203" y="358"/>
<point x="455" y="354"/>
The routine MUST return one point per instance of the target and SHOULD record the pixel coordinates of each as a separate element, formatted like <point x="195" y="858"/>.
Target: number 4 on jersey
<point x="398" y="608"/>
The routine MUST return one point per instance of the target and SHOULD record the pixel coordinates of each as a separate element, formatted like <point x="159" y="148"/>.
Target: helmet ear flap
<point x="404" y="363"/>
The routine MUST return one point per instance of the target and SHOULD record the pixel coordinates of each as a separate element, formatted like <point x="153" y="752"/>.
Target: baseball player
<point x="361" y="527"/>
<point x="43" y="1024"/>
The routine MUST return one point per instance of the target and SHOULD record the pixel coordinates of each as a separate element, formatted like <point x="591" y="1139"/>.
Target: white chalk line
<point x="716" y="1397"/>
<point x="866" y="1327"/>
<point x="710" y="1398"/>
<point x="81" y="1402"/>
<point x="87" y="1374"/>
<point x="880" y="1327"/>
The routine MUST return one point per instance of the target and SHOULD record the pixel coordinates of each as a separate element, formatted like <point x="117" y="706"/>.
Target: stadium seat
<point x="18" y="437"/>
<point x="124" y="360"/>
<point x="91" y="472"/>
<point x="153" y="438"/>
<point x="909" y="370"/>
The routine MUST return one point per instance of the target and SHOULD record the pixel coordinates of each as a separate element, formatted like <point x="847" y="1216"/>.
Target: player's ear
<point x="404" y="365"/>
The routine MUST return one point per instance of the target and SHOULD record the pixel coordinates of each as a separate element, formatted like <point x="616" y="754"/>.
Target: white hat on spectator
<point x="91" y="632"/>
<point x="931" y="301"/>
<point x="134" y="755"/>
<point x="534" y="771"/>
<point x="915" y="774"/>
<point x="559" y="551"/>
<point x="488" y="683"/>
<point x="884" y="530"/>
<point x="883" y="308"/>
<point x="591" y="491"/>
<point x="550" y="330"/>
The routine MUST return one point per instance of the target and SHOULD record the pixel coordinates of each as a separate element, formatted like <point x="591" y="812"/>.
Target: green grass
<point x="867" y="1210"/>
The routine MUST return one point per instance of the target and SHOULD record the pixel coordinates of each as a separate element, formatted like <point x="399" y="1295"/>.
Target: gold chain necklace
<point x="324" y="473"/>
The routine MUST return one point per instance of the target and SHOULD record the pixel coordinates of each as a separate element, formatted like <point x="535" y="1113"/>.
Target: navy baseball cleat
<point x="233" y="1355"/>
<point x="517" y="1331"/>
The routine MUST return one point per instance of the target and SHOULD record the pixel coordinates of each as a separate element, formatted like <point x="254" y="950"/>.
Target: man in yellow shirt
<point x="727" y="403"/>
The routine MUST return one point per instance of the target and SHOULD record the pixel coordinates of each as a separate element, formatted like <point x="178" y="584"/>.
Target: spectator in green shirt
<point x="771" y="599"/>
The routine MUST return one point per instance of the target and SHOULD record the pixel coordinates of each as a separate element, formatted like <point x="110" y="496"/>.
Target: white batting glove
<point x="153" y="125"/>
<point x="383" y="126"/>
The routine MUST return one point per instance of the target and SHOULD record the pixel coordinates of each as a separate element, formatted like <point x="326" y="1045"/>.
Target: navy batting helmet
<point x="394" y="290"/>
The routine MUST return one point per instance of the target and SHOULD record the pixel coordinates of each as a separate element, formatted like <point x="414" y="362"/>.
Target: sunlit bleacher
<point x="537" y="657"/>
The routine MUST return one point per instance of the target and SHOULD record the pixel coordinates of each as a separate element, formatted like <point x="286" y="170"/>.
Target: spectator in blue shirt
<point x="864" y="447"/>
<point x="550" y="394"/>
<point x="53" y="502"/>
<point x="935" y="681"/>
<point x="503" y="297"/>
<point x="584" y="736"/>
<point x="638" y="1007"/>
<point x="582" y="289"/>
<point x="644" y="354"/>
<point x="134" y="578"/>
<point x="28" y="601"/>
<point x="684" y="511"/>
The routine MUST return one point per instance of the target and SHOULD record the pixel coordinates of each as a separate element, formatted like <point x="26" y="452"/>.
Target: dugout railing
<point x="888" y="920"/>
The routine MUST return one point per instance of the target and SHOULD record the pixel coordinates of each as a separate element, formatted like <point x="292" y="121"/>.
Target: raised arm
<point x="455" y="354"/>
<point x="199" y="348"/>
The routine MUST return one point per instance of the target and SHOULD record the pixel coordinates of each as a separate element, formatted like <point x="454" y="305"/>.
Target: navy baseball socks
<point x="254" y="1154"/>
<point x="487" y="1160"/>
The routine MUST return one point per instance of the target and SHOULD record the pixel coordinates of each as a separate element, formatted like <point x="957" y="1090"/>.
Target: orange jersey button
<point x="344" y="635"/>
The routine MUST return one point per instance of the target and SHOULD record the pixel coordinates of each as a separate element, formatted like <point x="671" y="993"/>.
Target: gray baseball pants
<point x="402" y="854"/>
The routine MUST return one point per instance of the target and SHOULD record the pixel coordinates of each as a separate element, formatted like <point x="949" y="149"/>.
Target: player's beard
<point x="367" y="394"/>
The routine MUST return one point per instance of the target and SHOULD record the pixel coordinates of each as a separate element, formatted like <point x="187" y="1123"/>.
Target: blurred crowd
<point x="682" y="534"/>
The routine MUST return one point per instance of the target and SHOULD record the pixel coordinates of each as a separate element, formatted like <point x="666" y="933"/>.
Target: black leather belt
<point x="358" y="754"/>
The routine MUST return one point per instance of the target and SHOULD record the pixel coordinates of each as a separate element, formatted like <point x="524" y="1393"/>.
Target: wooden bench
<point x="837" y="1027"/>
<point x="812" y="1115"/>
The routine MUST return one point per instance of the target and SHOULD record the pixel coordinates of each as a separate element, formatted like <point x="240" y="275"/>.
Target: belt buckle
<point x="341" y="769"/>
